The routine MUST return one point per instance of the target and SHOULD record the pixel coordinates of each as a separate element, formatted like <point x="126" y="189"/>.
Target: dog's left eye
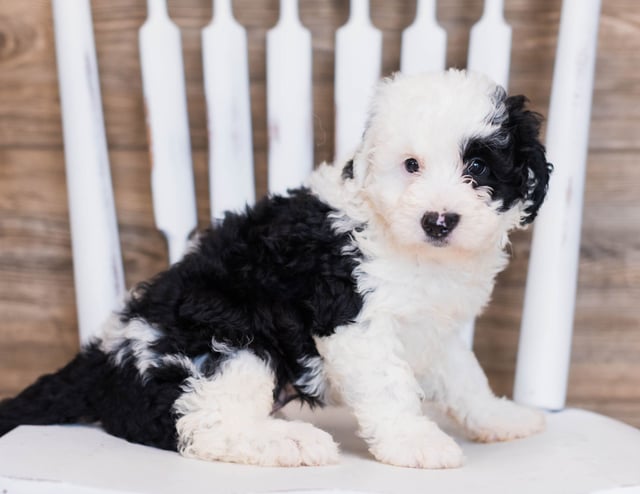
<point x="412" y="165"/>
<point x="477" y="167"/>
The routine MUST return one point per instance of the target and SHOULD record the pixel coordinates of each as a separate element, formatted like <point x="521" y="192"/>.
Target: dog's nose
<point x="439" y="225"/>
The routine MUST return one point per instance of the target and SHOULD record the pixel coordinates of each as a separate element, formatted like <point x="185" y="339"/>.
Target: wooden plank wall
<point x="37" y="312"/>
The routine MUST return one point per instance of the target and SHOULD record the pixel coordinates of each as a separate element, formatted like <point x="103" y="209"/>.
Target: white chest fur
<point x="425" y="300"/>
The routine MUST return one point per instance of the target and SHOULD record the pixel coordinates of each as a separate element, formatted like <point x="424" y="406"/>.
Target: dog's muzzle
<point x="438" y="225"/>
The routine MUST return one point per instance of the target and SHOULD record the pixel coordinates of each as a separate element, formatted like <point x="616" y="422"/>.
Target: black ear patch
<point x="347" y="171"/>
<point x="517" y="165"/>
<point x="528" y="153"/>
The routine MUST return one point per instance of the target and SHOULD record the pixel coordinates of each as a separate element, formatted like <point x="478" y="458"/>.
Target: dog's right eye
<point x="412" y="165"/>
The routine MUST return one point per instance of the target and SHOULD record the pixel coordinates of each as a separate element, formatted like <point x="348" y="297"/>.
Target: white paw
<point x="270" y="442"/>
<point x="417" y="444"/>
<point x="503" y="420"/>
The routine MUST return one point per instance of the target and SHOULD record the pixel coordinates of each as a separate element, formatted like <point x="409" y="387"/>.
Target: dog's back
<point x="265" y="281"/>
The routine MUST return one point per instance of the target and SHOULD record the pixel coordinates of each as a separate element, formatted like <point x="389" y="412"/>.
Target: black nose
<point x="439" y="225"/>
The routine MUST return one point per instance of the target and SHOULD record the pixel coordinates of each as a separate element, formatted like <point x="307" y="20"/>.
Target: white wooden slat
<point x="289" y="100"/>
<point x="547" y="324"/>
<point x="97" y="262"/>
<point x="424" y="42"/>
<point x="163" y="85"/>
<point x="226" y="85"/>
<point x="358" y="62"/>
<point x="467" y="333"/>
<point x="490" y="44"/>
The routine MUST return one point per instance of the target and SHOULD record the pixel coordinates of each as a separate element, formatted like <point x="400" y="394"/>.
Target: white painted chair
<point x="579" y="452"/>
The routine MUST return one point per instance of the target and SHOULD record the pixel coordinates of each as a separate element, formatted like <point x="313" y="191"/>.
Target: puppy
<point x="356" y="286"/>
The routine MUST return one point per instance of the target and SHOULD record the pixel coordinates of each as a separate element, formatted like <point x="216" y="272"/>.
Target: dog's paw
<point x="420" y="444"/>
<point x="503" y="420"/>
<point x="270" y="442"/>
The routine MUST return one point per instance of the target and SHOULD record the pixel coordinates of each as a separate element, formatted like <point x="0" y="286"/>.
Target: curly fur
<point x="356" y="286"/>
<point x="519" y="170"/>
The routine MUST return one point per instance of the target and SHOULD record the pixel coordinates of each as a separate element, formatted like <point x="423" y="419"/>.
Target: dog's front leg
<point x="455" y="380"/>
<point x="364" y="364"/>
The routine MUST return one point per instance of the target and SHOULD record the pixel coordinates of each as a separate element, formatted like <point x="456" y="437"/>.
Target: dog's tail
<point x="67" y="396"/>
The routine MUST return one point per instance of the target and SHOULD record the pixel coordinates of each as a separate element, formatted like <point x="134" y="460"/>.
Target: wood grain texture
<point x="37" y="310"/>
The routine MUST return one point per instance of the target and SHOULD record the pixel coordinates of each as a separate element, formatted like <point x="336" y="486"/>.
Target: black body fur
<point x="266" y="280"/>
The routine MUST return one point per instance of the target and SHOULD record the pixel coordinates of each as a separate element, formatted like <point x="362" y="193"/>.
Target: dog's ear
<point x="528" y="154"/>
<point x="357" y="168"/>
<point x="359" y="165"/>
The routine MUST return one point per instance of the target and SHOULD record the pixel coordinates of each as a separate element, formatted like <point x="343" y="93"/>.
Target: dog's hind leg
<point x="227" y="417"/>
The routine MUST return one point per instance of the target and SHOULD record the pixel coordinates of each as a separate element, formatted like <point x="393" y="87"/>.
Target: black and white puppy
<point x="357" y="286"/>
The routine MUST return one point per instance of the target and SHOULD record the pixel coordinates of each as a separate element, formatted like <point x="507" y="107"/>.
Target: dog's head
<point x="447" y="159"/>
